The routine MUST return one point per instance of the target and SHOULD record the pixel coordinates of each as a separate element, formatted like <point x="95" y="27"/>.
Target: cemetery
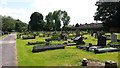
<point x="88" y="37"/>
<point x="82" y="45"/>
<point x="3" y="34"/>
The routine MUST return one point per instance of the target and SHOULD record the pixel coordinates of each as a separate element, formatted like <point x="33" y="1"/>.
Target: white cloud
<point x="80" y="11"/>
<point x="20" y="13"/>
<point x="3" y="3"/>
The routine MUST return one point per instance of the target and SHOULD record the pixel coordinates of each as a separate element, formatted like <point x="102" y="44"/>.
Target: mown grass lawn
<point x="70" y="56"/>
<point x="1" y="37"/>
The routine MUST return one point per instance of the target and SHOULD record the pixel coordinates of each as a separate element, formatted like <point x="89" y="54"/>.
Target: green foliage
<point x="10" y="24"/>
<point x="20" y="26"/>
<point x="3" y="36"/>
<point x="36" y="22"/>
<point x="108" y="12"/>
<point x="52" y="21"/>
<point x="49" y="24"/>
<point x="77" y="25"/>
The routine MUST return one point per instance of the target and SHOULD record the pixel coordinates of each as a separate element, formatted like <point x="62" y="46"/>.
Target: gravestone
<point x="101" y="40"/>
<point x="92" y="34"/>
<point x="113" y="38"/>
<point x="47" y="43"/>
<point x="62" y="36"/>
<point x="102" y="32"/>
<point x="96" y="35"/>
<point x="79" y="40"/>
<point x="110" y="64"/>
<point x="77" y="32"/>
<point x="65" y="38"/>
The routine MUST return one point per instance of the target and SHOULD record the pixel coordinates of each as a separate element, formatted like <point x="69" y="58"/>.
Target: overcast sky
<point x="80" y="11"/>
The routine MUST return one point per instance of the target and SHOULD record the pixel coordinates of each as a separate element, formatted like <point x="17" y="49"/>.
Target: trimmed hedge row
<point x="44" y="48"/>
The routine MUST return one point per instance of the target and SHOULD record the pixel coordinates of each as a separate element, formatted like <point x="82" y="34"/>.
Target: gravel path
<point x="8" y="52"/>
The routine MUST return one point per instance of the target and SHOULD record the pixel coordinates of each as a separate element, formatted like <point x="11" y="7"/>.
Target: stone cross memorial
<point x="101" y="40"/>
<point x="113" y="38"/>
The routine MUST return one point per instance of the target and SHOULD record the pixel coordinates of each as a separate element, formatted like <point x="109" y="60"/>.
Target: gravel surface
<point x="8" y="52"/>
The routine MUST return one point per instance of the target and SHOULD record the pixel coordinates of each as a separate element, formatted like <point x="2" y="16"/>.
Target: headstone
<point x="96" y="35"/>
<point x="101" y="40"/>
<point x="92" y="34"/>
<point x="79" y="40"/>
<point x="62" y="36"/>
<point x="65" y="38"/>
<point x="110" y="64"/>
<point x="47" y="43"/>
<point x="77" y="32"/>
<point x="113" y="38"/>
<point x="58" y="39"/>
<point x="69" y="41"/>
<point x="102" y="32"/>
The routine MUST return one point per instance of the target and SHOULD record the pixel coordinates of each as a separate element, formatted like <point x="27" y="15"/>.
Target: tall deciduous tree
<point x="36" y="22"/>
<point x="8" y="23"/>
<point x="56" y="20"/>
<point x="49" y="24"/>
<point x="61" y="17"/>
<point x="65" y="19"/>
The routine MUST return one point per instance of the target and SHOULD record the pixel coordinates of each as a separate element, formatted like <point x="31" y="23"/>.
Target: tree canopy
<point x="53" y="21"/>
<point x="10" y="24"/>
<point x="36" y="22"/>
<point x="108" y="13"/>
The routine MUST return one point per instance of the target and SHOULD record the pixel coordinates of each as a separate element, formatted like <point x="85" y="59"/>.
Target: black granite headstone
<point x="79" y="40"/>
<point x="101" y="40"/>
<point x="92" y="34"/>
<point x="47" y="43"/>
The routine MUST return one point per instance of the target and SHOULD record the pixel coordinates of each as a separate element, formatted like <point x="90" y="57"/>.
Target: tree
<point x="56" y="20"/>
<point x="77" y="25"/>
<point x="49" y="25"/>
<point x="20" y="26"/>
<point x="36" y="22"/>
<point x="107" y="13"/>
<point x="116" y="19"/>
<point x="8" y="23"/>
<point x="61" y="17"/>
<point x="65" y="19"/>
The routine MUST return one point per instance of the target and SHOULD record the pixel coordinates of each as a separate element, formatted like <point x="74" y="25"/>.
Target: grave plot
<point x="44" y="48"/>
<point x="103" y="50"/>
<point x="114" y="41"/>
<point x="101" y="40"/>
<point x="37" y="42"/>
<point x="28" y="37"/>
<point x="60" y="55"/>
<point x="79" y="40"/>
<point x="52" y="39"/>
<point x="88" y="47"/>
<point x="115" y="45"/>
<point x="44" y="34"/>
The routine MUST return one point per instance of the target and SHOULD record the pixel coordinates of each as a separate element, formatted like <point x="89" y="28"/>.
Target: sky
<point x="80" y="11"/>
